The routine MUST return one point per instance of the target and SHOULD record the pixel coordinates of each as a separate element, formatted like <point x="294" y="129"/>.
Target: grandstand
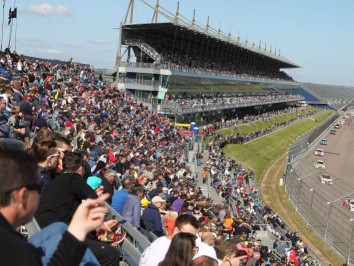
<point x="158" y="60"/>
<point x="335" y="97"/>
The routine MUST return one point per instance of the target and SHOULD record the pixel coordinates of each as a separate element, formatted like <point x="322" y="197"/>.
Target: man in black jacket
<point x="61" y="198"/>
<point x="121" y="166"/>
<point x="19" y="196"/>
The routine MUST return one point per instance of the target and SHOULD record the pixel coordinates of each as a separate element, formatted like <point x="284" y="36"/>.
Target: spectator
<point x="178" y="203"/>
<point x="5" y="130"/>
<point x="225" y="250"/>
<point x="61" y="198"/>
<point x="253" y="261"/>
<point x="65" y="193"/>
<point x="204" y="261"/>
<point x="151" y="217"/>
<point x="206" y="245"/>
<point x="181" y="250"/>
<point x="19" y="197"/>
<point x="47" y="156"/>
<point x="121" y="166"/>
<point x="170" y="222"/>
<point x="121" y="195"/>
<point x="156" y="252"/>
<point x="109" y="184"/>
<point x="131" y="209"/>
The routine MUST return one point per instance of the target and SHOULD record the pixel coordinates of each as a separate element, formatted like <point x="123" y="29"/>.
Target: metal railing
<point x="144" y="82"/>
<point x="145" y="48"/>
<point x="134" y="244"/>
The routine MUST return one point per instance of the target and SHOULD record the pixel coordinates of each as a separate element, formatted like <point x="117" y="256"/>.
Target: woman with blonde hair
<point x="170" y="222"/>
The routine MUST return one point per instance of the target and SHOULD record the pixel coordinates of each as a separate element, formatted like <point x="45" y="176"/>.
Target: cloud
<point x="72" y="45"/>
<point x="100" y="42"/>
<point x="48" y="51"/>
<point x="48" y="10"/>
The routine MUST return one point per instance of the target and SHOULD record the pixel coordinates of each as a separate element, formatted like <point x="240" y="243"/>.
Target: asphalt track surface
<point x="321" y="205"/>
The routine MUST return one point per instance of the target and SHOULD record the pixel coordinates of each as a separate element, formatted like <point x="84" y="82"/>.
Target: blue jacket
<point x="118" y="199"/>
<point x="131" y="210"/>
<point x="152" y="219"/>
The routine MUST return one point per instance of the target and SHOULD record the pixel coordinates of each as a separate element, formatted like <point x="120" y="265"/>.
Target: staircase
<point x="144" y="47"/>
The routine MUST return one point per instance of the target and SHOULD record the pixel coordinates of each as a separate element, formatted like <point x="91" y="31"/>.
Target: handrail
<point x="144" y="47"/>
<point x="153" y="83"/>
<point x="135" y="243"/>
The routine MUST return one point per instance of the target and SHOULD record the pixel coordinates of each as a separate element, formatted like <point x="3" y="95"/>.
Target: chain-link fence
<point x="325" y="208"/>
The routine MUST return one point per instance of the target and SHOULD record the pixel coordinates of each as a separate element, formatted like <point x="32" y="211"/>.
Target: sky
<point x="317" y="35"/>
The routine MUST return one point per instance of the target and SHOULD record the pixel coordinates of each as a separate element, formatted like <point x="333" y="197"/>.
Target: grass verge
<point x="260" y="154"/>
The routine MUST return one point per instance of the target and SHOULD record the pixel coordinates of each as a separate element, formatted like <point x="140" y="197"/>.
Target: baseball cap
<point x="157" y="199"/>
<point x="68" y="123"/>
<point x="94" y="182"/>
<point x="144" y="202"/>
<point x="165" y="188"/>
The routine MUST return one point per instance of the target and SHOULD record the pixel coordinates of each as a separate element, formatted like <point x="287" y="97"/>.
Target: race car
<point x="319" y="152"/>
<point x="325" y="179"/>
<point x="348" y="203"/>
<point x="323" y="142"/>
<point x="320" y="164"/>
<point x="332" y="132"/>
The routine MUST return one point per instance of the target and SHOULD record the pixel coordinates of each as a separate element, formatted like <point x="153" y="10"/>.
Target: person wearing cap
<point x="151" y="218"/>
<point x="96" y="184"/>
<point x="164" y="192"/>
<point x="69" y="126"/>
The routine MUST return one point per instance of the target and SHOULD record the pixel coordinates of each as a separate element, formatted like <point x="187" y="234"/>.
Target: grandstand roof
<point x="169" y="31"/>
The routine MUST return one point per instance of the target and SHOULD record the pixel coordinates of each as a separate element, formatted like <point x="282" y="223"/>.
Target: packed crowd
<point x="237" y="186"/>
<point x="90" y="143"/>
<point x="195" y="61"/>
<point x="212" y="100"/>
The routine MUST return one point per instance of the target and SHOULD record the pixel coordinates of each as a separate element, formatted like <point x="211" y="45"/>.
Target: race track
<point x="321" y="205"/>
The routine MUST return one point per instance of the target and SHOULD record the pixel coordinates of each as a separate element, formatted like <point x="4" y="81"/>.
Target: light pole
<point x="300" y="185"/>
<point x="330" y="203"/>
<point x="313" y="190"/>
